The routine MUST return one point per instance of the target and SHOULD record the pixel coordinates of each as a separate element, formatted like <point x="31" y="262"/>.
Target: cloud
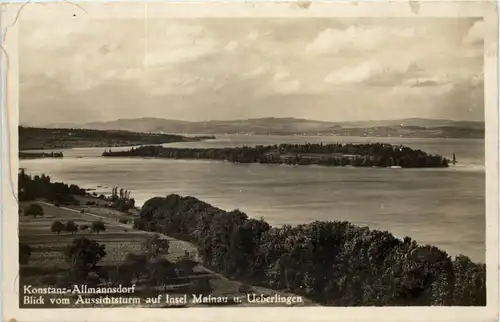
<point x="287" y="86"/>
<point x="350" y="75"/>
<point x="182" y="68"/>
<point x="464" y="97"/>
<point x="373" y="73"/>
<point x="425" y="83"/>
<point x="253" y="35"/>
<point x="256" y="72"/>
<point x="330" y="41"/>
<point x="186" y="53"/>
<point x="232" y="46"/>
<point x="175" y="43"/>
<point x="281" y="76"/>
<point x="475" y="33"/>
<point x="429" y="81"/>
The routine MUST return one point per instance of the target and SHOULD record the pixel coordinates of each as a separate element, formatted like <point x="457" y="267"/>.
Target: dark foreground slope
<point x="41" y="138"/>
<point x="333" y="263"/>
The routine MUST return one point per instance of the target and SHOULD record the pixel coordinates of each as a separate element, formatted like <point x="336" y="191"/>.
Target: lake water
<point x="442" y="207"/>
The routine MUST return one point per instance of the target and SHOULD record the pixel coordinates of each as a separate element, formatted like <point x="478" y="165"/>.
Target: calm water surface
<point x="443" y="207"/>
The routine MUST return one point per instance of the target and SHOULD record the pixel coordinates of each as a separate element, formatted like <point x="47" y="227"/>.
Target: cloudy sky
<point x="323" y="68"/>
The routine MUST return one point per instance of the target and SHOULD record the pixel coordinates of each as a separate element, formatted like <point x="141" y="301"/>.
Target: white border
<point x="105" y="10"/>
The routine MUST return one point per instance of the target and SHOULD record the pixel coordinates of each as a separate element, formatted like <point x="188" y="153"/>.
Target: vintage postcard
<point x="292" y="161"/>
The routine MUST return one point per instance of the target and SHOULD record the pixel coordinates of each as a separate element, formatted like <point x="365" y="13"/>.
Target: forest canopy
<point x="334" y="263"/>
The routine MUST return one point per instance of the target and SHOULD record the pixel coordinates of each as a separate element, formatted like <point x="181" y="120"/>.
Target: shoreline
<point x="146" y="197"/>
<point x="135" y="211"/>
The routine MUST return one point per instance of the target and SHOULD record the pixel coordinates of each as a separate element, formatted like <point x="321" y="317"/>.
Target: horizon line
<point x="255" y="118"/>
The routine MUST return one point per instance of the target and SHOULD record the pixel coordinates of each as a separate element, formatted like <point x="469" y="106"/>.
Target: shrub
<point x="57" y="227"/>
<point x="155" y="245"/>
<point x="83" y="255"/>
<point x="97" y="227"/>
<point x="71" y="227"/>
<point x="202" y="286"/>
<point x="24" y="253"/>
<point x="50" y="280"/>
<point x="34" y="210"/>
<point x="161" y="272"/>
<point x="245" y="289"/>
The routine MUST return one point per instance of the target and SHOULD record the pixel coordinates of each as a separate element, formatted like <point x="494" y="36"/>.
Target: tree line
<point x="37" y="155"/>
<point x="334" y="263"/>
<point x="359" y="155"/>
<point x="40" y="187"/>
<point x="120" y="199"/>
<point x="33" y="187"/>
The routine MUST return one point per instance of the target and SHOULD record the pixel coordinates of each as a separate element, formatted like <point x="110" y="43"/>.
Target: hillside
<point x="42" y="138"/>
<point x="413" y="127"/>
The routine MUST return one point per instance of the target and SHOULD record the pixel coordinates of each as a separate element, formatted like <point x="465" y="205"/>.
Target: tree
<point x="83" y="255"/>
<point x="161" y="272"/>
<point x="155" y="245"/>
<point x="121" y="274"/>
<point x="71" y="227"/>
<point x="136" y="263"/>
<point x="185" y="266"/>
<point x="97" y="227"/>
<point x="24" y="253"/>
<point x="202" y="286"/>
<point x="34" y="210"/>
<point x="57" y="227"/>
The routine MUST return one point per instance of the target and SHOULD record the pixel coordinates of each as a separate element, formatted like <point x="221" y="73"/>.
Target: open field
<point x="47" y="262"/>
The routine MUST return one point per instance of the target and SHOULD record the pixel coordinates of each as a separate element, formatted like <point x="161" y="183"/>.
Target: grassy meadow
<point x="47" y="263"/>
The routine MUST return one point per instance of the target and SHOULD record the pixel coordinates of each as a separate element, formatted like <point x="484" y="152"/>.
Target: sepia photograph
<point x="252" y="161"/>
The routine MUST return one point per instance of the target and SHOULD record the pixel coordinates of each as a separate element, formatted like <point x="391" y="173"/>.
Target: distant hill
<point x="411" y="127"/>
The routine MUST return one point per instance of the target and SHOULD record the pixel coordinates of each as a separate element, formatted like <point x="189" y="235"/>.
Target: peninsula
<point x="42" y="138"/>
<point x="357" y="155"/>
<point x="40" y="155"/>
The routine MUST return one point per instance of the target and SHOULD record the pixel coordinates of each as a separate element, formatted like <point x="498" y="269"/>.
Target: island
<point x="31" y="138"/>
<point x="356" y="155"/>
<point x="40" y="155"/>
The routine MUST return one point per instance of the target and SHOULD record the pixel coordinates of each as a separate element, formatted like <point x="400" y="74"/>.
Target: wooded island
<point x="358" y="155"/>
